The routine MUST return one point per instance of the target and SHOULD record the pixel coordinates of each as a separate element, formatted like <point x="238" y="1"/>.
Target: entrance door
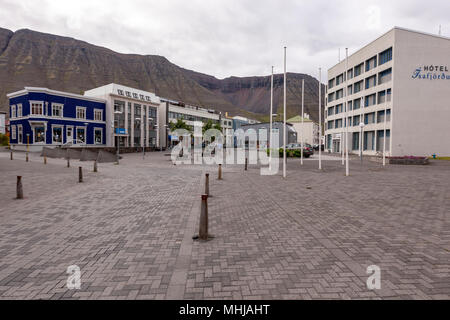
<point x="69" y="135"/>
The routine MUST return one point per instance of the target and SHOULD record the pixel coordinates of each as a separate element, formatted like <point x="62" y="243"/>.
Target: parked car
<point x="308" y="150"/>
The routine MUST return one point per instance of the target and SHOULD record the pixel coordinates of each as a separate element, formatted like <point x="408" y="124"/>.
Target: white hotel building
<point x="398" y="86"/>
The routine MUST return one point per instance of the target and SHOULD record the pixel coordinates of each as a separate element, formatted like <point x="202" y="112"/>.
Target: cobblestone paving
<point x="312" y="236"/>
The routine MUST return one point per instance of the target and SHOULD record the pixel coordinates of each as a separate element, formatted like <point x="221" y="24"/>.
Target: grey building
<point x="291" y="133"/>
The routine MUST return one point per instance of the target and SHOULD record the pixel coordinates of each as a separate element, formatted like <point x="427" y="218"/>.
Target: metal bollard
<point x="68" y="162"/>
<point x="19" y="188"/>
<point x="45" y="160"/>
<point x="12" y="155"/>
<point x="246" y="164"/>
<point x="220" y="172"/>
<point x="95" y="166"/>
<point x="80" y="174"/>
<point x="27" y="159"/>
<point x="203" y="230"/>
<point x="207" y="184"/>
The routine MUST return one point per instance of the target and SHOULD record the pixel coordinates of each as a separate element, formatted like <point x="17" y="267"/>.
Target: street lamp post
<point x="271" y="121"/>
<point x="118" y="113"/>
<point x="361" y="143"/>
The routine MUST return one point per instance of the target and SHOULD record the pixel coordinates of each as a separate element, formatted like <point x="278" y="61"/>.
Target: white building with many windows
<point x="397" y="87"/>
<point x="131" y="115"/>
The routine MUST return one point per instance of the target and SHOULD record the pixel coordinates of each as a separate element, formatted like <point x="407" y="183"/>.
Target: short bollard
<point x="95" y="166"/>
<point x="203" y="230"/>
<point x="246" y="164"/>
<point x="45" y="160"/>
<point x="12" y="155"/>
<point x="19" y="188"/>
<point x="26" y="158"/>
<point x="80" y="174"/>
<point x="220" y="172"/>
<point x="207" y="184"/>
<point x="68" y="163"/>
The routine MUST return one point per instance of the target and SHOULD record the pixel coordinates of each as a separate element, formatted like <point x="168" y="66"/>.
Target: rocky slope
<point x="29" y="58"/>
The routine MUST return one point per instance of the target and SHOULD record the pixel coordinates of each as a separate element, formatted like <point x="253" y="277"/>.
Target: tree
<point x="209" y="125"/>
<point x="180" y="124"/>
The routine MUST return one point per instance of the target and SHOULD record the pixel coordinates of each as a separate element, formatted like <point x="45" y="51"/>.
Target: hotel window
<point x="388" y="95"/>
<point x="355" y="141"/>
<point x="128" y="94"/>
<point x="330" y="125"/>
<point x="331" y="97"/>
<point x="371" y="82"/>
<point x="135" y="95"/>
<point x="39" y="134"/>
<point x="339" y="94"/>
<point x="369" y="118"/>
<point x="57" y="110"/>
<point x="120" y="92"/>
<point x="331" y="84"/>
<point x="339" y="79"/>
<point x="370" y="100"/>
<point x="148" y="98"/>
<point x="19" y="134"/>
<point x="349" y="90"/>
<point x="98" y="115"/>
<point x="385" y="76"/>
<point x="380" y="116"/>
<point x="339" y="108"/>
<point x="358" y="86"/>
<point x="81" y="135"/>
<point x="369" y="140"/>
<point x="356" y="104"/>
<point x="381" y="97"/>
<point x="13" y="111"/>
<point x="338" y="123"/>
<point x="359" y="69"/>
<point x="98" y="133"/>
<point x="350" y="105"/>
<point x="356" y="121"/>
<point x="330" y="111"/>
<point x="13" y="132"/>
<point x="386" y="56"/>
<point x="57" y="135"/>
<point x="81" y="113"/>
<point x="371" y="63"/>
<point x="141" y="96"/>
<point x="380" y="140"/>
<point x="19" y="110"/>
<point x="350" y="74"/>
<point x="37" y="108"/>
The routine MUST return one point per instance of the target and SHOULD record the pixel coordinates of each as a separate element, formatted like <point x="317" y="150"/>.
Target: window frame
<point x="79" y="108"/>
<point x="41" y="103"/>
<point x="101" y="135"/>
<point x="56" y="106"/>
<point x="96" y="112"/>
<point x="59" y="126"/>
<point x="13" y="111"/>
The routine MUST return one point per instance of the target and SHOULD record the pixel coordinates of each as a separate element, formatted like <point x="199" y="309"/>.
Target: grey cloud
<point x="229" y="37"/>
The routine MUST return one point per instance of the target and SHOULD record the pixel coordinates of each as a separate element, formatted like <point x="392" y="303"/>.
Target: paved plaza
<point x="312" y="236"/>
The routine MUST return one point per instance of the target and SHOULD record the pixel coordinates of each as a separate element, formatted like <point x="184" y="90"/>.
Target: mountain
<point x="30" y="58"/>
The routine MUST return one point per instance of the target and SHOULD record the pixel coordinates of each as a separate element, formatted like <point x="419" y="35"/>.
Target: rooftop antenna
<point x="339" y="54"/>
<point x="440" y="30"/>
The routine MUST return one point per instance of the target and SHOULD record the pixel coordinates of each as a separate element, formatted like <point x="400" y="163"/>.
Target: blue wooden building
<point x="42" y="117"/>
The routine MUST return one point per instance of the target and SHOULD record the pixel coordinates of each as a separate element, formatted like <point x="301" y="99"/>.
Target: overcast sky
<point x="229" y="37"/>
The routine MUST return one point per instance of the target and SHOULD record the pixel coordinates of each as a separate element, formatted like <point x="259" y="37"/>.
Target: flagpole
<point x="385" y="131"/>
<point x="284" y="131"/>
<point x="347" y="167"/>
<point x="271" y="121"/>
<point x="303" y="114"/>
<point x="320" y="118"/>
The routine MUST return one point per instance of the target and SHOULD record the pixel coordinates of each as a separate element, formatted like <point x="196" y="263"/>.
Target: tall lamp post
<point x="320" y="118"/>
<point x="361" y="143"/>
<point x="118" y="113"/>
<point x="284" y="118"/>
<point x="271" y="121"/>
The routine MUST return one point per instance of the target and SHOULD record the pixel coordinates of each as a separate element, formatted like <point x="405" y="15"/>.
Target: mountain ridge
<point x="31" y="58"/>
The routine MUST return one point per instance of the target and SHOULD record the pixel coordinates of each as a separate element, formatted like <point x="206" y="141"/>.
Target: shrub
<point x="4" y="140"/>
